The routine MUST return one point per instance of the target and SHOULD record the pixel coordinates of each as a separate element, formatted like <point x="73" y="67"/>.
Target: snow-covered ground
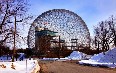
<point x="26" y="66"/>
<point x="107" y="59"/>
<point x="21" y="66"/>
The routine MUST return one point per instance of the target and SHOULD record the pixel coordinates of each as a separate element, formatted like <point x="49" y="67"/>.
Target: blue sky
<point x="91" y="11"/>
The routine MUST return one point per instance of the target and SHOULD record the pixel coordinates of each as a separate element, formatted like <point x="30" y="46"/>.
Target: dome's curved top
<point x="67" y="23"/>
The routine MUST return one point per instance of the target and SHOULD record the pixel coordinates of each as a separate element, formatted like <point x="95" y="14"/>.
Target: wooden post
<point x="59" y="48"/>
<point x="26" y="66"/>
<point x="14" y="38"/>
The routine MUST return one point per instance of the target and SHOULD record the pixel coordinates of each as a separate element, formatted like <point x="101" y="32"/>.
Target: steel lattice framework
<point x="68" y="25"/>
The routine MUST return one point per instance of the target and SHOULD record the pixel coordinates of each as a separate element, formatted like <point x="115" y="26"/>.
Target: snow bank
<point x="97" y="57"/>
<point x="108" y="59"/>
<point x="76" y="55"/>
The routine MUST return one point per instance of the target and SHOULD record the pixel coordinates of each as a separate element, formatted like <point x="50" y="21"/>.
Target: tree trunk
<point x="115" y="41"/>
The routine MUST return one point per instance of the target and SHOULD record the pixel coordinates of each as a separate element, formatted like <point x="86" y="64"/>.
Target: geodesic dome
<point x="68" y="25"/>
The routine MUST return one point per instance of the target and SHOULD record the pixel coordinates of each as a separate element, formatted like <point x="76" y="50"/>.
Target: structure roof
<point x="45" y="33"/>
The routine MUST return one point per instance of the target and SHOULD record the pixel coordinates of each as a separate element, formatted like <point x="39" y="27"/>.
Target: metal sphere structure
<point x="68" y="25"/>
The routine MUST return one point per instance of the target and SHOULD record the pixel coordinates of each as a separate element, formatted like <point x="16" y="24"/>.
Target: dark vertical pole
<point x="59" y="48"/>
<point x="71" y="44"/>
<point x="76" y="44"/>
<point x="14" y="38"/>
<point x="0" y="52"/>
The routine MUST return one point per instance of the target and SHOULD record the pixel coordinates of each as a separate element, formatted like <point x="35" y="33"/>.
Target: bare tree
<point x="12" y="15"/>
<point x="102" y="36"/>
<point x="9" y="10"/>
<point x="112" y="25"/>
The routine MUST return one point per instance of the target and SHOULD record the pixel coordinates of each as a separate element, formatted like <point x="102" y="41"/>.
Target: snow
<point x="107" y="59"/>
<point x="76" y="55"/>
<point x="63" y="59"/>
<point x="20" y="66"/>
<point x="97" y="57"/>
<point x="55" y="59"/>
<point x="52" y="59"/>
<point x="95" y="63"/>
